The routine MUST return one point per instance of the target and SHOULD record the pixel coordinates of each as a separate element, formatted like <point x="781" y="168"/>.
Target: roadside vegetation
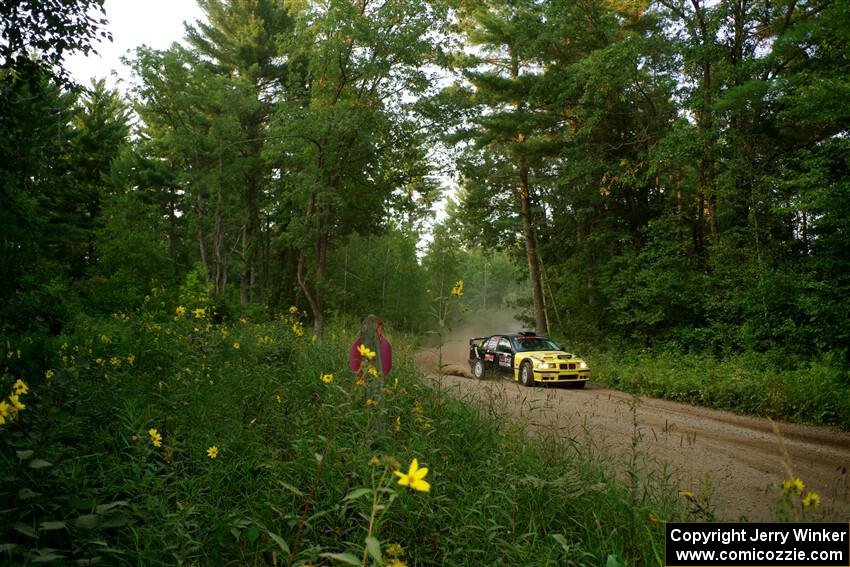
<point x="163" y="436"/>
<point x="771" y="385"/>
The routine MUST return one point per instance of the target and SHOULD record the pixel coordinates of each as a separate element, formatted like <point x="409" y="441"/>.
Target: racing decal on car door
<point x="505" y="360"/>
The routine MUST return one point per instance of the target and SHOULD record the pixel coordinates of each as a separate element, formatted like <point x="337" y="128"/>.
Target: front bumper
<point x="555" y="375"/>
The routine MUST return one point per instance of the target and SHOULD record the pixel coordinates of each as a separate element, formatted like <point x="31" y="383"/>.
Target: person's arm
<point x="354" y="356"/>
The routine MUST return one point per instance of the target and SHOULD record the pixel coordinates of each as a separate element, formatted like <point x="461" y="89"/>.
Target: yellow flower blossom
<point x="99" y="360"/>
<point x="396" y="563"/>
<point x="278" y="399"/>
<point x="4" y="412"/>
<point x="793" y="486"/>
<point x="361" y="382"/>
<point x="373" y="372"/>
<point x="199" y="313"/>
<point x="293" y="310"/>
<point x="365" y="352"/>
<point x="21" y="388"/>
<point x="371" y="402"/>
<point x="179" y="312"/>
<point x="156" y="438"/>
<point x="457" y="290"/>
<point x="326" y="378"/>
<point x="115" y="361"/>
<point x="298" y="329"/>
<point x="243" y="321"/>
<point x="131" y="359"/>
<point x="414" y="478"/>
<point x="212" y="452"/>
<point x="811" y="500"/>
<point x="394" y="550"/>
<point x="236" y="346"/>
<point x="374" y="460"/>
<point x="16" y="403"/>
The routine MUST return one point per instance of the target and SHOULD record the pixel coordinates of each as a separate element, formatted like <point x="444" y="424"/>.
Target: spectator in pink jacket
<point x="371" y="335"/>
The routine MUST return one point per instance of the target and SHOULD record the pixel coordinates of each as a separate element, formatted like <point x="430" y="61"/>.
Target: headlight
<point x="582" y="365"/>
<point x="543" y="365"/>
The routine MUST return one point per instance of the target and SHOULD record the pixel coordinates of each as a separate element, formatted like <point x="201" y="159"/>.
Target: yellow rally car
<point x="526" y="357"/>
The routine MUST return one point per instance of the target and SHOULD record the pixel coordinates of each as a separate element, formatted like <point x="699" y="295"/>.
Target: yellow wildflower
<point x="373" y="372"/>
<point x="99" y="360"/>
<point x="199" y="313"/>
<point x="293" y="310"/>
<point x="21" y="388"/>
<point x="374" y="460"/>
<point x="298" y="329"/>
<point x="394" y="550"/>
<point x="371" y="402"/>
<point x="105" y="339"/>
<point x="793" y="486"/>
<point x="156" y="438"/>
<point x="236" y="346"/>
<point x="414" y="478"/>
<point x="364" y="351"/>
<point x="326" y="378"/>
<point x="212" y="452"/>
<point x="398" y="423"/>
<point x="16" y="403"/>
<point x="396" y="563"/>
<point x="361" y="382"/>
<point x="4" y="412"/>
<point x="243" y="320"/>
<point x="115" y="361"/>
<point x="811" y="500"/>
<point x="131" y="359"/>
<point x="179" y="312"/>
<point x="278" y="399"/>
<point x="457" y="290"/>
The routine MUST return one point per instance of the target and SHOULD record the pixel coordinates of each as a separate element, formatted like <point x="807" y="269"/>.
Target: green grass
<point x="766" y="385"/>
<point x="83" y="483"/>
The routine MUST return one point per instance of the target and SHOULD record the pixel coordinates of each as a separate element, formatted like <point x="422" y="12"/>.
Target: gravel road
<point x="740" y="456"/>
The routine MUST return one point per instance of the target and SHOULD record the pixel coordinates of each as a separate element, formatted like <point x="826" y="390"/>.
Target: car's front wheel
<point x="526" y="374"/>
<point x="478" y="370"/>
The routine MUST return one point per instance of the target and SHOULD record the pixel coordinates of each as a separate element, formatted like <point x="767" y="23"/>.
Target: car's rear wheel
<point x="478" y="370"/>
<point x="526" y="374"/>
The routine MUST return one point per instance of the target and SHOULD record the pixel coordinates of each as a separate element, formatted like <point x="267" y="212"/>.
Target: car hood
<point x="549" y="355"/>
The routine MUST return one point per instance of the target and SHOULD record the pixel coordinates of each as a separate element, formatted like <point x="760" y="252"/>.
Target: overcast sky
<point x="156" y="23"/>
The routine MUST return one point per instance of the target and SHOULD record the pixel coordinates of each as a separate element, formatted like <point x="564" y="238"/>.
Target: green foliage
<point x="51" y="31"/>
<point x="150" y="391"/>
<point x="772" y="385"/>
<point x="380" y="275"/>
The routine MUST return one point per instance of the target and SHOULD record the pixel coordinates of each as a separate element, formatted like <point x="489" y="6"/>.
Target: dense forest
<point x="669" y="173"/>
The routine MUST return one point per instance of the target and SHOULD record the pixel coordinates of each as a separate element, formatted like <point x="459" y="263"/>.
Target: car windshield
<point x="524" y="344"/>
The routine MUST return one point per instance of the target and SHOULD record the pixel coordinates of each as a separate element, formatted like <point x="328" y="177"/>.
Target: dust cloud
<point x="455" y="349"/>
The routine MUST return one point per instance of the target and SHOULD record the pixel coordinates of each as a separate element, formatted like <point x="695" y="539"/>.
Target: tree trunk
<point x="531" y="251"/>
<point x="537" y="298"/>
